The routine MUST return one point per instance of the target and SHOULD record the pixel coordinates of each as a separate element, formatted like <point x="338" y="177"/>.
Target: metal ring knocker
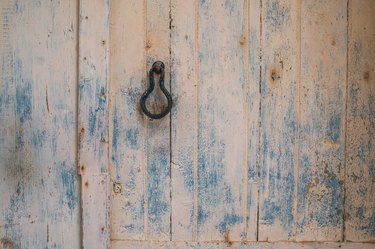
<point x="157" y="68"/>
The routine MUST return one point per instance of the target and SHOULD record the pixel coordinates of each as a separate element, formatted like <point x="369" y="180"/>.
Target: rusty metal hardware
<point x="159" y="69"/>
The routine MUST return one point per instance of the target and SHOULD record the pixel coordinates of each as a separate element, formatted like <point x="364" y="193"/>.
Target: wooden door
<point x="259" y="146"/>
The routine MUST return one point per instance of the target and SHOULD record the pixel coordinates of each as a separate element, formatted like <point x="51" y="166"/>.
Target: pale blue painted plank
<point x="322" y="120"/>
<point x="222" y="141"/>
<point x="38" y="123"/>
<point x="128" y="134"/>
<point x="278" y="142"/>
<point x="360" y="153"/>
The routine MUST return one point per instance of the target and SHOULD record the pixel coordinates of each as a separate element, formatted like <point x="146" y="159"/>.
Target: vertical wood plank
<point x="222" y="127"/>
<point x="360" y="167"/>
<point x="322" y="120"/>
<point x="184" y="122"/>
<point x="158" y="201"/>
<point x="128" y="134"/>
<point x="280" y="75"/>
<point x="93" y="121"/>
<point x="253" y="104"/>
<point x="38" y="79"/>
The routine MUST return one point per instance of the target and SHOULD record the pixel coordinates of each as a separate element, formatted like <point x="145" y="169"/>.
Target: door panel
<point x="254" y="147"/>
<point x="140" y="147"/>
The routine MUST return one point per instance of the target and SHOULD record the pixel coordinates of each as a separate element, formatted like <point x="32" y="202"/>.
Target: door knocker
<point x="157" y="68"/>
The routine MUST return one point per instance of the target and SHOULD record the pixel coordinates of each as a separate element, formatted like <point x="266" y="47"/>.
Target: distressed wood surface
<point x="93" y="121"/>
<point x="184" y="123"/>
<point x="158" y="189"/>
<point x="222" y="129"/>
<point x="39" y="203"/>
<point x="237" y="245"/>
<point x="128" y="132"/>
<point x="279" y="116"/>
<point x="322" y="120"/>
<point x="140" y="147"/>
<point x="360" y="136"/>
<point x="252" y="103"/>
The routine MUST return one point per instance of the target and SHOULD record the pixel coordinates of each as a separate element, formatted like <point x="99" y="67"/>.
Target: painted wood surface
<point x="140" y="147"/>
<point x="39" y="200"/>
<point x="279" y="116"/>
<point x="270" y="137"/>
<point x="360" y="132"/>
<point x="322" y="93"/>
<point x="258" y="129"/>
<point x="93" y="121"/>
<point x="184" y="124"/>
<point x="128" y="134"/>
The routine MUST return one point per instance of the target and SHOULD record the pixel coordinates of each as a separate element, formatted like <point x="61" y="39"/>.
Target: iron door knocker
<point x="157" y="68"/>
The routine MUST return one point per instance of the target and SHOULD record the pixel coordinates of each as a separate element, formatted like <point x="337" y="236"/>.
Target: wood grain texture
<point x="39" y="204"/>
<point x="279" y="114"/>
<point x="222" y="126"/>
<point x="184" y="123"/>
<point x="252" y="107"/>
<point x="238" y="245"/>
<point x="158" y="187"/>
<point x="139" y="146"/>
<point x="93" y="121"/>
<point x="128" y="130"/>
<point x="360" y="147"/>
<point x="322" y="120"/>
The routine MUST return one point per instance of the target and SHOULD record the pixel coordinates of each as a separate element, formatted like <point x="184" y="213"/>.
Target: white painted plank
<point x="158" y="201"/>
<point x="95" y="210"/>
<point x="322" y="120"/>
<point x="184" y="124"/>
<point x="93" y="121"/>
<point x="280" y="75"/>
<point x="93" y="86"/>
<point x="38" y="79"/>
<point x="128" y="132"/>
<point x="222" y="141"/>
<point x="253" y="115"/>
<point x="360" y="153"/>
<point x="238" y="245"/>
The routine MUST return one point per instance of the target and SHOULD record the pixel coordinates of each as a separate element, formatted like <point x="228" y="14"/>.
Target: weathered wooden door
<point x="260" y="145"/>
<point x="270" y="141"/>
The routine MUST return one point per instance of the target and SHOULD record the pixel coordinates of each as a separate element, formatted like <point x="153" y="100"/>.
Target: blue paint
<point x="372" y="224"/>
<point x="38" y="138"/>
<point x="92" y="122"/>
<point x="132" y="138"/>
<point x="68" y="178"/>
<point x="115" y="131"/>
<point x="24" y="101"/>
<point x="334" y="127"/>
<point x="158" y="172"/>
<point x="228" y="221"/>
<point x="277" y="14"/>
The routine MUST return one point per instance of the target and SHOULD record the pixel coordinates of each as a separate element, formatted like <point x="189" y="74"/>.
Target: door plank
<point x="184" y="124"/>
<point x="322" y="120"/>
<point x="128" y="134"/>
<point x="38" y="100"/>
<point x="360" y="168"/>
<point x="93" y="121"/>
<point x="222" y="142"/>
<point x="158" y="201"/>
<point x="280" y="76"/>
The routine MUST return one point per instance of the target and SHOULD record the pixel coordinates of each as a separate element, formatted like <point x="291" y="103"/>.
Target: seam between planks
<point x="260" y="109"/>
<point x="246" y="112"/>
<point x="343" y="236"/>
<point x="145" y="176"/>
<point x="196" y="114"/>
